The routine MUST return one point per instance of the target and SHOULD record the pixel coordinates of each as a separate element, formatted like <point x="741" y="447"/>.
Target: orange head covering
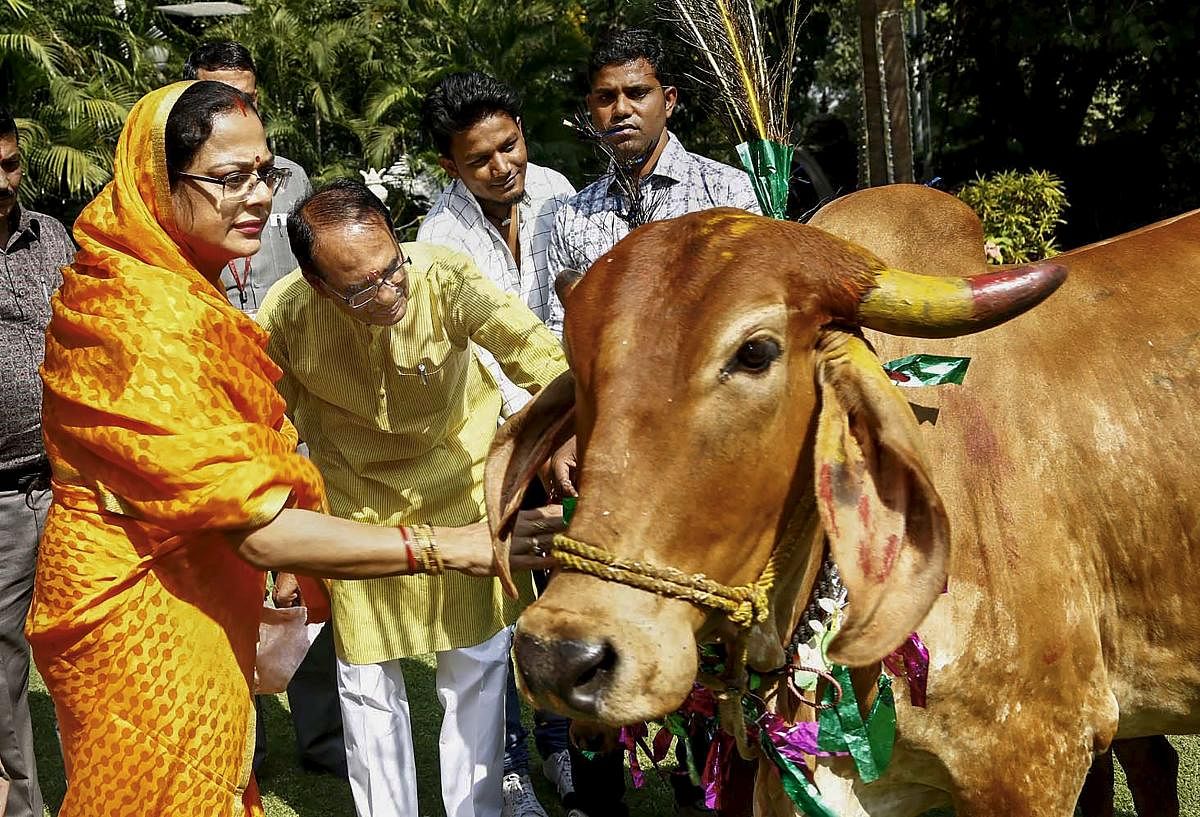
<point x="160" y="402"/>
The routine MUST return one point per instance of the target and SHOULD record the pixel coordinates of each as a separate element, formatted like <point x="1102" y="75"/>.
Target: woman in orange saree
<point x="176" y="482"/>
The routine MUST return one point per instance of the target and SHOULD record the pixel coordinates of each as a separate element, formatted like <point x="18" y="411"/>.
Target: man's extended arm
<point x="498" y="321"/>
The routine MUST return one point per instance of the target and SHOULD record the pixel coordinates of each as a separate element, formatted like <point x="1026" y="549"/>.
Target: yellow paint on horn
<point x="743" y="70"/>
<point x="905" y="303"/>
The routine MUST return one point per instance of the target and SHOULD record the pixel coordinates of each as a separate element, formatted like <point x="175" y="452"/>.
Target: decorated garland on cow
<point x="737" y="694"/>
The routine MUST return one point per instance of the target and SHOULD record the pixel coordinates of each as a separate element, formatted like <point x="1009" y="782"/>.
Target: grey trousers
<point x="20" y="529"/>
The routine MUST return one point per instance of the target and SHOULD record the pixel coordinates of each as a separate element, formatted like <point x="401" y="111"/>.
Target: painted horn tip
<point x="1011" y="291"/>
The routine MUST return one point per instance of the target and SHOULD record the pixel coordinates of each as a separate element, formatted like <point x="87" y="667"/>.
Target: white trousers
<point x="378" y="729"/>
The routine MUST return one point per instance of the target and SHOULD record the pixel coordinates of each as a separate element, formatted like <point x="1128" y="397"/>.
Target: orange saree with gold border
<point x="166" y="434"/>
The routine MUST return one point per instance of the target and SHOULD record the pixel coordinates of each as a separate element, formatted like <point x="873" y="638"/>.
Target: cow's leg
<point x="1151" y="767"/>
<point x="1096" y="799"/>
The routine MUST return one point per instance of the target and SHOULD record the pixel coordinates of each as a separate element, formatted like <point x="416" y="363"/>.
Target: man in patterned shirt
<point x="631" y="100"/>
<point x="33" y="250"/>
<point x="499" y="210"/>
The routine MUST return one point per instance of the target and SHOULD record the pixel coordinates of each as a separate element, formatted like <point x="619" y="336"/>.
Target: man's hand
<point x="561" y="471"/>
<point x="287" y="591"/>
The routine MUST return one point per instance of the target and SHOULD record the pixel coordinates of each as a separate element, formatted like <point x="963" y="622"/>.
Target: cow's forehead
<point x="697" y="268"/>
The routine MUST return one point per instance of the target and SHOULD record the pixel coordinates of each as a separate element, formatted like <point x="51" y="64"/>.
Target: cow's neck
<point x="766" y="645"/>
<point x="803" y="539"/>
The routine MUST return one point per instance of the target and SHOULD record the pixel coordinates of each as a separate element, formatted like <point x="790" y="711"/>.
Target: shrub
<point x="1020" y="213"/>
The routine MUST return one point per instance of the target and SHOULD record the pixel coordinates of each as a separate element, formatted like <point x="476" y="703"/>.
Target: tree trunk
<point x="887" y="119"/>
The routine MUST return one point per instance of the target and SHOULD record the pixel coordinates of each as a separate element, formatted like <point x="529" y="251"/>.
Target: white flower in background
<point x="374" y="180"/>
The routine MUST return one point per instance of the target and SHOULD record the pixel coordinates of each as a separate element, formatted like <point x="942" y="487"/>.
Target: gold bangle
<point x="432" y="559"/>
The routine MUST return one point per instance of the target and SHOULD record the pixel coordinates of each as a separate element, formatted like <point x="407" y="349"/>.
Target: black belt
<point x="32" y="476"/>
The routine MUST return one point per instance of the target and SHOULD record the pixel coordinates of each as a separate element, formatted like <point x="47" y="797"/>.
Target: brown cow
<point x="746" y="416"/>
<point x="911" y="214"/>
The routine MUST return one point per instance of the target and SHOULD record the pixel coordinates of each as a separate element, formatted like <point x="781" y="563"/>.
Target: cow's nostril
<point x="574" y="670"/>
<point x="605" y="664"/>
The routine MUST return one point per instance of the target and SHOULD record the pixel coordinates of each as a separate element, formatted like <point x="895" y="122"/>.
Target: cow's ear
<point x="519" y="449"/>
<point x="886" y="526"/>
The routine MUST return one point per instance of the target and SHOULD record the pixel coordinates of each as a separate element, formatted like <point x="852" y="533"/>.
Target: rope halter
<point x="744" y="604"/>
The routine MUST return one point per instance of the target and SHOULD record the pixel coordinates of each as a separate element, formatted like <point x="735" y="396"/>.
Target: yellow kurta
<point x="398" y="445"/>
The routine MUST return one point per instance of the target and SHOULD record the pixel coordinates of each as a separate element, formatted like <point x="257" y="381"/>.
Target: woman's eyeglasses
<point x="393" y="278"/>
<point x="238" y="186"/>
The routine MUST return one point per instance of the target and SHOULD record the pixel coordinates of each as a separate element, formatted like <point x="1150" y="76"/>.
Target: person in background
<point x="499" y="210"/>
<point x="248" y="279"/>
<point x="33" y="249"/>
<point x="631" y="100"/>
<point x="312" y="692"/>
<point x="375" y="340"/>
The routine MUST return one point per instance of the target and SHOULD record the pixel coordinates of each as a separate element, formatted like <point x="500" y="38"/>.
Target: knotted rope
<point x="745" y="604"/>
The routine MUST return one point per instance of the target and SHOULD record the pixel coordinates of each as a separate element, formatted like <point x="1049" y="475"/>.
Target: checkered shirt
<point x="591" y="223"/>
<point x="456" y="221"/>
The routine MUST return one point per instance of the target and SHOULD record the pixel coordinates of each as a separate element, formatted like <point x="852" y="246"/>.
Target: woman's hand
<point x="469" y="549"/>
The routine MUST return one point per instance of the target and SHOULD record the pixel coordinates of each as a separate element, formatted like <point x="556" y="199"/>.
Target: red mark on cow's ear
<point x="825" y="492"/>
<point x="891" y="550"/>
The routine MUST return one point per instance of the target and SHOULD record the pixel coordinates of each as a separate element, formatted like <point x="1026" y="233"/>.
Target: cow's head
<point x="729" y="416"/>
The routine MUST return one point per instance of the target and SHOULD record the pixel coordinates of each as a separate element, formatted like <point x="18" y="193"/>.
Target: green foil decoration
<point x="569" y="508"/>
<point x="842" y="728"/>
<point x="770" y="167"/>
<point x="927" y="370"/>
<point x="800" y="790"/>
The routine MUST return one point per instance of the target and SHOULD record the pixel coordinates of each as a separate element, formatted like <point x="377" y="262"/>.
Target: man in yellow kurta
<point x="375" y="341"/>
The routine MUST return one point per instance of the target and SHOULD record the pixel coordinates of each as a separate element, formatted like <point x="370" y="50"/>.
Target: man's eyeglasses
<point x="238" y="186"/>
<point x="393" y="278"/>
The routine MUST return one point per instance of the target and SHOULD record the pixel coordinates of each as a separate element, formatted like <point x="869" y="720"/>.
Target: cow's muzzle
<point x="572" y="670"/>
<point x="606" y="652"/>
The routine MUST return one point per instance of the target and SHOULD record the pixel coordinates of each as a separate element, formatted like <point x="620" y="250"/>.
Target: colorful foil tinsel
<point x="914" y="371"/>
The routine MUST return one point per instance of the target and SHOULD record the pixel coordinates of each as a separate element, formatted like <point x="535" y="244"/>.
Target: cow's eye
<point x="757" y="354"/>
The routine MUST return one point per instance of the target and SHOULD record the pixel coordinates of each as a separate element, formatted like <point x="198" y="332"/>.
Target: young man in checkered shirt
<point x="499" y="210"/>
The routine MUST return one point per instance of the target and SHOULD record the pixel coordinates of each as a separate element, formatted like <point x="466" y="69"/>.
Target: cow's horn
<point x="565" y="281"/>
<point x="925" y="306"/>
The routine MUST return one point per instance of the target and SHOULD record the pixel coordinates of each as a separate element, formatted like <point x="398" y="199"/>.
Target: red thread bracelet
<point x="413" y="566"/>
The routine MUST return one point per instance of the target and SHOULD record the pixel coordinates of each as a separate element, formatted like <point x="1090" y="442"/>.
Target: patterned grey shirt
<point x="246" y="280"/>
<point x="32" y="260"/>
<point x="456" y="221"/>
<point x="591" y="223"/>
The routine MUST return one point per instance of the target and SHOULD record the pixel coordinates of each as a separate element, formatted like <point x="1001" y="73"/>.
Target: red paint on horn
<point x="998" y="295"/>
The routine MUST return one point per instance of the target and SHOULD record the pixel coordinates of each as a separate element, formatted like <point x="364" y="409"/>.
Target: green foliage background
<point x="1020" y="212"/>
<point x="1102" y="93"/>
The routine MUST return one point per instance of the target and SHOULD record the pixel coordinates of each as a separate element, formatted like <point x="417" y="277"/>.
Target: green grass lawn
<point x="290" y="792"/>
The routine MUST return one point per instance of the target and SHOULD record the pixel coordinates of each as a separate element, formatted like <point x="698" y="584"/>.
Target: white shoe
<point x="519" y="799"/>
<point x="557" y="769"/>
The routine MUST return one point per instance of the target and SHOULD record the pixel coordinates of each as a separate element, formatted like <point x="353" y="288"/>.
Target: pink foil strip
<point x="794" y="740"/>
<point x="716" y="770"/>
<point x="910" y="661"/>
